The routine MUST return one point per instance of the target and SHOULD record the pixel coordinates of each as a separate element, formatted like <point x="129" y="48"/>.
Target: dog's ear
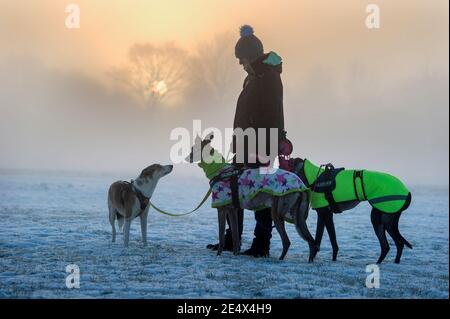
<point x="298" y="161"/>
<point x="210" y="136"/>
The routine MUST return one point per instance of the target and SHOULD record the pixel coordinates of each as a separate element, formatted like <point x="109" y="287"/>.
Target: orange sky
<point x="309" y="28"/>
<point x="382" y="93"/>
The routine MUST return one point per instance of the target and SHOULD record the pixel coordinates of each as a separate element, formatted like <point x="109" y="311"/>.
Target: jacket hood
<point x="271" y="60"/>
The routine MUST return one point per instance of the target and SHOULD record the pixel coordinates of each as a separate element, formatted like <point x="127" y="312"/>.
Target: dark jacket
<point x="260" y="104"/>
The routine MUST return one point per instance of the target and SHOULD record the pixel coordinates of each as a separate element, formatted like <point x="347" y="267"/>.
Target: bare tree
<point x="168" y="74"/>
<point x="155" y="73"/>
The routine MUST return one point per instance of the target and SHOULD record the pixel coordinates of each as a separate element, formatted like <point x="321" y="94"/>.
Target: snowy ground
<point x="50" y="221"/>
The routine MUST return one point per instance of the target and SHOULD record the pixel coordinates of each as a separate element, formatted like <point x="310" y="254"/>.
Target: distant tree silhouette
<point x="155" y="73"/>
<point x="167" y="74"/>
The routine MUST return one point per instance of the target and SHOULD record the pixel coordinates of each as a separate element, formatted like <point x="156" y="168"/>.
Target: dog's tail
<point x="407" y="244"/>
<point x="120" y="220"/>
<point x="300" y="217"/>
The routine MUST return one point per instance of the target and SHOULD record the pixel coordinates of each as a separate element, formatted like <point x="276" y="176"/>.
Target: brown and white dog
<point x="126" y="200"/>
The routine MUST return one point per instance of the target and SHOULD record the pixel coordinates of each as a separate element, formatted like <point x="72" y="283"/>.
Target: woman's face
<point x="246" y="64"/>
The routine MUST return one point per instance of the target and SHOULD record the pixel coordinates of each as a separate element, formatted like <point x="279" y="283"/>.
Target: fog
<point x="359" y="98"/>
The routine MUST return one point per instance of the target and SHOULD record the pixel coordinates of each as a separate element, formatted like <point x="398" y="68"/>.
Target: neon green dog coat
<point x="383" y="191"/>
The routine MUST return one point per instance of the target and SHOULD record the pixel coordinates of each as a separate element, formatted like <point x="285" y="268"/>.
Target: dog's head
<point x="153" y="173"/>
<point x="200" y="149"/>
<point x="297" y="164"/>
<point x="297" y="161"/>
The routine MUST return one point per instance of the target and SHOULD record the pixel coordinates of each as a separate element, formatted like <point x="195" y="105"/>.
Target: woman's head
<point x="249" y="47"/>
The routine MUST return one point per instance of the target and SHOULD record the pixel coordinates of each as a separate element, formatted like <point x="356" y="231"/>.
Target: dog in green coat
<point x="336" y="190"/>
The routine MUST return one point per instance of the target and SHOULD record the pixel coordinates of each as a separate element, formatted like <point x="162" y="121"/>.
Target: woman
<point x="259" y="106"/>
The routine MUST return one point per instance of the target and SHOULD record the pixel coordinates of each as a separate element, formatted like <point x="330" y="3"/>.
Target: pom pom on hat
<point x="246" y="31"/>
<point x="248" y="46"/>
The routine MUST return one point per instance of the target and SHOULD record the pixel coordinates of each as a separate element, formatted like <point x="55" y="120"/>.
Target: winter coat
<point x="260" y="104"/>
<point x="383" y="191"/>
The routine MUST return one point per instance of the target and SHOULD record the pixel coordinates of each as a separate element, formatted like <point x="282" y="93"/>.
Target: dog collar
<point x="215" y="164"/>
<point x="143" y="200"/>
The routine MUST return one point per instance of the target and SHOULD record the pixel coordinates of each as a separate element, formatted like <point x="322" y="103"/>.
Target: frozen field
<point x="48" y="222"/>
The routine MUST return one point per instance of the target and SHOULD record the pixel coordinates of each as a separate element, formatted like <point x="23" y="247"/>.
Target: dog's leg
<point x="279" y="225"/>
<point x="320" y="227"/>
<point x="126" y="231"/>
<point x="120" y="222"/>
<point x="329" y="224"/>
<point x="112" y="221"/>
<point x="222" y="216"/>
<point x="233" y="219"/>
<point x="378" y="226"/>
<point x="143" y="217"/>
<point x="392" y="229"/>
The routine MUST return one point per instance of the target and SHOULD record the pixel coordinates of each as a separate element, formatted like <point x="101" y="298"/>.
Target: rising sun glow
<point x="159" y="88"/>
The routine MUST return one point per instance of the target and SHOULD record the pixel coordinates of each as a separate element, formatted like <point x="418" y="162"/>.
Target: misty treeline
<point x="345" y="110"/>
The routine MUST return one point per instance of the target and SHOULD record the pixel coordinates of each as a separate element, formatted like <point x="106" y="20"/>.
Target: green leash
<point x="184" y="214"/>
<point x="205" y="198"/>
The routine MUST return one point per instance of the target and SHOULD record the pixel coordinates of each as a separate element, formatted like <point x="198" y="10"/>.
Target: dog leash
<point x="205" y="198"/>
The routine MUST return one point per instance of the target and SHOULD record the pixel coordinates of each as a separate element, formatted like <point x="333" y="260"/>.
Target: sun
<point x="159" y="88"/>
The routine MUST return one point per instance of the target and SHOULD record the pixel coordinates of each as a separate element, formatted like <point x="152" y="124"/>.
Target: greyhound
<point x="387" y="195"/>
<point x="126" y="200"/>
<point x="291" y="206"/>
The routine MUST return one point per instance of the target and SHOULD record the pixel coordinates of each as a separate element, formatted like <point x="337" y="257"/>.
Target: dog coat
<point x="253" y="181"/>
<point x="383" y="191"/>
